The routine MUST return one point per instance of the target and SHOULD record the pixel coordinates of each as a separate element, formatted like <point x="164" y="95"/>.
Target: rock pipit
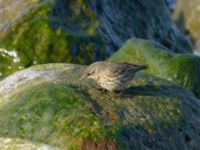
<point x="112" y="76"/>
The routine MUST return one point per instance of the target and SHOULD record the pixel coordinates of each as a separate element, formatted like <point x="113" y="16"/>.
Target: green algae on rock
<point x="50" y="104"/>
<point x="38" y="42"/>
<point x="179" y="68"/>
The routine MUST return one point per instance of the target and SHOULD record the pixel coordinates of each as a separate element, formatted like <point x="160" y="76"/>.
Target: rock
<point x="82" y="31"/>
<point x="182" y="69"/>
<point x="50" y="104"/>
<point x="186" y="15"/>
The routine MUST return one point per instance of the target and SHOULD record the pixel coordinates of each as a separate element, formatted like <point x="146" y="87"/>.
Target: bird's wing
<point x="137" y="65"/>
<point x="119" y="69"/>
<point x="124" y="68"/>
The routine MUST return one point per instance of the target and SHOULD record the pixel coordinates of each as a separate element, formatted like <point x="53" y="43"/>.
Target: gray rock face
<point x="120" y="20"/>
<point x="115" y="21"/>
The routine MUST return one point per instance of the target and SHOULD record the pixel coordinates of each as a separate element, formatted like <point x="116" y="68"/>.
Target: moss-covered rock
<point x="179" y="68"/>
<point x="37" y="41"/>
<point x="81" y="31"/>
<point x="50" y="104"/>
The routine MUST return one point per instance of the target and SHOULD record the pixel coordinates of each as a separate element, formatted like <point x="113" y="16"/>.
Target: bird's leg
<point x="118" y="94"/>
<point x="102" y="89"/>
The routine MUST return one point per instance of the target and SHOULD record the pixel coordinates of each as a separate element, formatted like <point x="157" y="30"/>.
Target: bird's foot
<point x="102" y="90"/>
<point x="118" y="94"/>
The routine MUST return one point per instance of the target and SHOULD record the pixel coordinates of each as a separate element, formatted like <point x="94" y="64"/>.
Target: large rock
<point x="182" y="69"/>
<point x="81" y="31"/>
<point x="50" y="104"/>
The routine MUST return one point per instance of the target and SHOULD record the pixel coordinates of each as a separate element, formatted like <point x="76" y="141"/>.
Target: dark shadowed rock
<point x="49" y="104"/>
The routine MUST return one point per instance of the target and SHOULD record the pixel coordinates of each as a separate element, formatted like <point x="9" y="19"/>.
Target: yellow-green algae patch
<point x="36" y="39"/>
<point x="151" y="114"/>
<point x="179" y="68"/>
<point x="55" y="115"/>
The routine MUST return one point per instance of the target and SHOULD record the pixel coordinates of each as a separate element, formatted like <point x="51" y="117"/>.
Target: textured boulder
<point x="182" y="69"/>
<point x="81" y="31"/>
<point x="49" y="104"/>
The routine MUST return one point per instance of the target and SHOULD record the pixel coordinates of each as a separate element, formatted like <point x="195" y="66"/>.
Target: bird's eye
<point x="89" y="73"/>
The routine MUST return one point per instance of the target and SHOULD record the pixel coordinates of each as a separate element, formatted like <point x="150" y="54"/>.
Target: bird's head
<point x="91" y="72"/>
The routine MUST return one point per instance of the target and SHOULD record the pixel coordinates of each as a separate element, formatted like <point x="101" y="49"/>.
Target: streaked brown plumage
<point x="111" y="75"/>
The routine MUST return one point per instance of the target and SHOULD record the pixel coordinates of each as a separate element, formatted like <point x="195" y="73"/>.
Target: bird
<point x="112" y="76"/>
